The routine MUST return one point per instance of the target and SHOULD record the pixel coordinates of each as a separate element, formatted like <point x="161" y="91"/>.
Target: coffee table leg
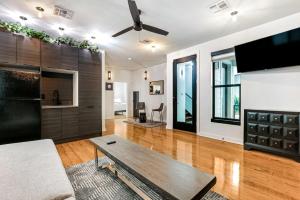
<point x="96" y="159"/>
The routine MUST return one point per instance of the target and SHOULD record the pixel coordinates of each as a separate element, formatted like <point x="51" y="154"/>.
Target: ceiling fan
<point x="138" y="24"/>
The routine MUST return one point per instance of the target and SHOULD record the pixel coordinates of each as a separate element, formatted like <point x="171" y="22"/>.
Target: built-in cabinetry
<point x="61" y="122"/>
<point x="273" y="131"/>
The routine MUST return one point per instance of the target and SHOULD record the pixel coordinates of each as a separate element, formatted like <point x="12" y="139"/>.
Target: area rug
<point x="148" y="124"/>
<point x="90" y="184"/>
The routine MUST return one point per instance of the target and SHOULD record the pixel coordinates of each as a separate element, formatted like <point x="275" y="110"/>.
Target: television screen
<point x="281" y="50"/>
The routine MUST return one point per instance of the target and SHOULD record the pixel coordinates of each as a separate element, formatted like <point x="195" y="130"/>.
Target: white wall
<point x="118" y="75"/>
<point x="273" y="89"/>
<point x="155" y="73"/>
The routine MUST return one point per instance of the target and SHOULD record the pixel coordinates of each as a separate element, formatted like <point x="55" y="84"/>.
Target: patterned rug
<point x="148" y="124"/>
<point x="90" y="184"/>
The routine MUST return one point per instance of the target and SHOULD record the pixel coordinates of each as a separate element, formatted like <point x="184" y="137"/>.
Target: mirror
<point x="156" y="87"/>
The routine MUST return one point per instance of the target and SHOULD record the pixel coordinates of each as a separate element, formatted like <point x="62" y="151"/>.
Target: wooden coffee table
<point x="167" y="177"/>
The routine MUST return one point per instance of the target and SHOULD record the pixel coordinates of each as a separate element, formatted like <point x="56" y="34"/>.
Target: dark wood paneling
<point x="51" y="55"/>
<point x="51" y="124"/>
<point x="8" y="48"/>
<point x="89" y="93"/>
<point x="86" y="57"/>
<point x="28" y="51"/>
<point x="70" y="122"/>
<point x="69" y="57"/>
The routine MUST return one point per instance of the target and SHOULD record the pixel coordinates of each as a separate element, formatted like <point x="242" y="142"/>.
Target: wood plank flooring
<point x="240" y="174"/>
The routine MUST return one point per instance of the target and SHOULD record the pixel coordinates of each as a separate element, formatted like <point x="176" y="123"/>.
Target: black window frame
<point x="214" y="87"/>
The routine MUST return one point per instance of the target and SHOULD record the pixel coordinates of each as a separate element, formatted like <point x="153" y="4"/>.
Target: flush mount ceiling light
<point x="234" y="15"/>
<point x="129" y="58"/>
<point x="61" y="31"/>
<point x="93" y="37"/>
<point x="23" y="20"/>
<point x="153" y="48"/>
<point x="40" y="11"/>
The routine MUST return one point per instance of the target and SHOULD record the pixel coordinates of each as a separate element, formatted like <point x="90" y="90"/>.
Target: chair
<point x="140" y="107"/>
<point x="159" y="110"/>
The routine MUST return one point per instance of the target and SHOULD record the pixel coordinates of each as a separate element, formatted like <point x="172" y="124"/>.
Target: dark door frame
<point x="180" y="125"/>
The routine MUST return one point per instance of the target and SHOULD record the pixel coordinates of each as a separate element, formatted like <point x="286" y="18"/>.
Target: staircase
<point x="188" y="109"/>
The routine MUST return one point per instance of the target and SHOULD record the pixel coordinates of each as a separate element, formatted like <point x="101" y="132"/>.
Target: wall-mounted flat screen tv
<point x="281" y="50"/>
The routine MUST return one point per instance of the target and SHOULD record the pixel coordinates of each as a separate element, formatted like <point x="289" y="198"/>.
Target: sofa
<point x="33" y="171"/>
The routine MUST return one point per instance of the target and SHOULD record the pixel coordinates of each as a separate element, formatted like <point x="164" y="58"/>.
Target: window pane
<point x="226" y="72"/>
<point x="227" y="102"/>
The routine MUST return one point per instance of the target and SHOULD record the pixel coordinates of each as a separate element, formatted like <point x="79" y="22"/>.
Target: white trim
<point x="221" y="57"/>
<point x="221" y="138"/>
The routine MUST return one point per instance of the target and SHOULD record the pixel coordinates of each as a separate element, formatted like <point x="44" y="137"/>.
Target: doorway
<point x="185" y="93"/>
<point x="120" y="106"/>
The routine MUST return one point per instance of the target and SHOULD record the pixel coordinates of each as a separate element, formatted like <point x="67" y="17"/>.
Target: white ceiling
<point x="189" y="22"/>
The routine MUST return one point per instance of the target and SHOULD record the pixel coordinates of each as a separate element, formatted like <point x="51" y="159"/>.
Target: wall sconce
<point x="145" y="75"/>
<point x="109" y="75"/>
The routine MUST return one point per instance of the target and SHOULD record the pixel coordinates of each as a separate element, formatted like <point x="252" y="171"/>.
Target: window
<point x="226" y="90"/>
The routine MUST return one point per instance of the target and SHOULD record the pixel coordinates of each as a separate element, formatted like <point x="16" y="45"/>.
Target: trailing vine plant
<point x="17" y="28"/>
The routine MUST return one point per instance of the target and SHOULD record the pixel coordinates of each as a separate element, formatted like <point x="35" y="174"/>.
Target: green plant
<point x="17" y="28"/>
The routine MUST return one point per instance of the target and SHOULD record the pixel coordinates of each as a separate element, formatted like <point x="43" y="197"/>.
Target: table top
<point x="169" y="178"/>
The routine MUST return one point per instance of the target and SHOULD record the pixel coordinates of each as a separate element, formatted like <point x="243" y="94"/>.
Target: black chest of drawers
<point x="275" y="132"/>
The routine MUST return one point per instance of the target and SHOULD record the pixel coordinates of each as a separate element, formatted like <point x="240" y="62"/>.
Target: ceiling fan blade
<point x="134" y="11"/>
<point x="123" y="31"/>
<point x="155" y="30"/>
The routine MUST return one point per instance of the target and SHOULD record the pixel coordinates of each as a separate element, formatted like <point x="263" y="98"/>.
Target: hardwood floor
<point x="240" y="174"/>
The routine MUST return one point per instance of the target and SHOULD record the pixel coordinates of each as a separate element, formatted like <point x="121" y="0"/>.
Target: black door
<point x="136" y="98"/>
<point x="185" y="93"/>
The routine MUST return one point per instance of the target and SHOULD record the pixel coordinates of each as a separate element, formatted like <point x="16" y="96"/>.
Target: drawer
<point x="291" y="133"/>
<point x="263" y="130"/>
<point x="263" y="140"/>
<point x="290" y="145"/>
<point x="276" y="131"/>
<point x="252" y="139"/>
<point x="276" y="143"/>
<point x="263" y="117"/>
<point x="252" y="116"/>
<point x="291" y="119"/>
<point x="276" y="119"/>
<point x="252" y="128"/>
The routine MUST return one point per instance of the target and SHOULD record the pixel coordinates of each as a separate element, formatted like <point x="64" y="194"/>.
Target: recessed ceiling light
<point x="153" y="48"/>
<point x="234" y="15"/>
<point x="23" y="20"/>
<point x="40" y="11"/>
<point x="129" y="58"/>
<point x="61" y="31"/>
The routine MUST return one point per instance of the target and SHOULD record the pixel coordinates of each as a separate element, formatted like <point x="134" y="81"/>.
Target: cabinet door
<point x="86" y="57"/>
<point x="69" y="57"/>
<point x="8" y="48"/>
<point x="51" y="55"/>
<point x="51" y="124"/>
<point x="70" y="122"/>
<point x="28" y="51"/>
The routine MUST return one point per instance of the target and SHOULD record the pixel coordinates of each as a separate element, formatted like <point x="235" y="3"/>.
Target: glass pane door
<point x="184" y="105"/>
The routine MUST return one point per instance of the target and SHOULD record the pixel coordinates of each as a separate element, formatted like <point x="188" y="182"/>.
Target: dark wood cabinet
<point x="51" y="124"/>
<point x="28" y="51"/>
<point x="59" y="56"/>
<point x="89" y="93"/>
<point x="275" y="132"/>
<point x="69" y="57"/>
<point x="86" y="57"/>
<point x="50" y="55"/>
<point x="70" y="122"/>
<point x="8" y="48"/>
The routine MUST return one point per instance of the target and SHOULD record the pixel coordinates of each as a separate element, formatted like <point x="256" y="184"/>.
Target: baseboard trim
<point x="221" y="138"/>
